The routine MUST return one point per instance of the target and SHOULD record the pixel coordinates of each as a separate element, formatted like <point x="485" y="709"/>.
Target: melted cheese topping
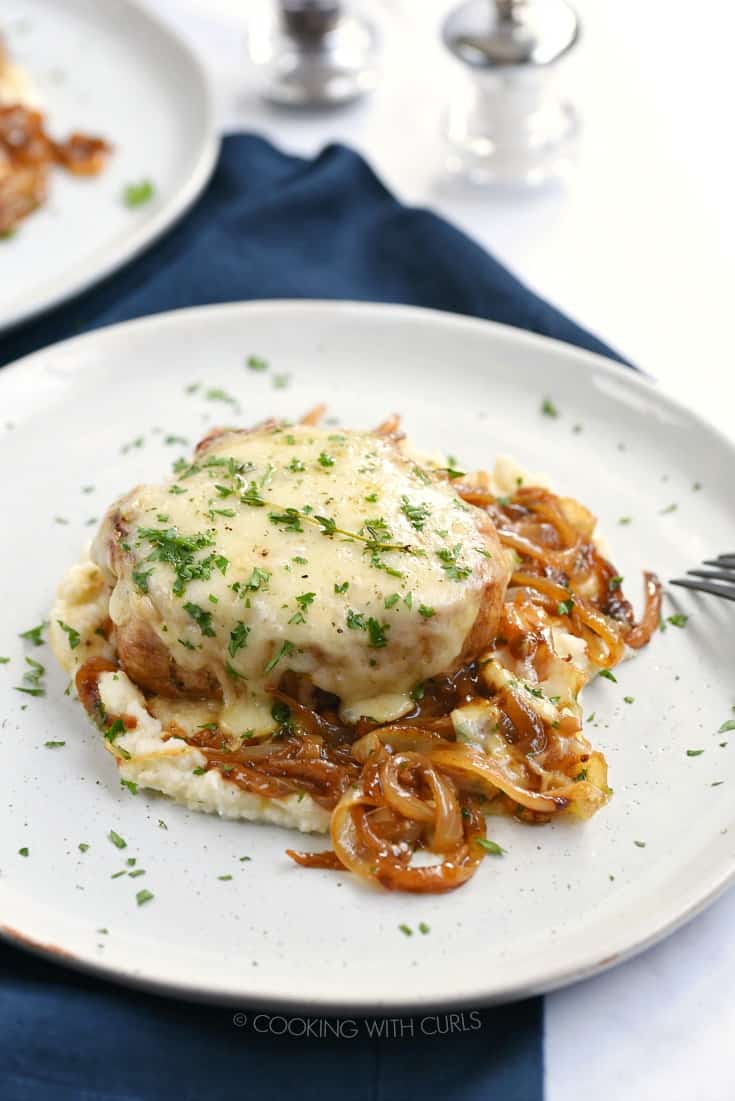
<point x="331" y="554"/>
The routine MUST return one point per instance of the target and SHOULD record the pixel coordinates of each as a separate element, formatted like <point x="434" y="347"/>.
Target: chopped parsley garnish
<point x="285" y="649"/>
<point x="238" y="638"/>
<point x="625" y="520"/>
<point x="490" y="846"/>
<point x="130" y="785"/>
<point x="391" y="600"/>
<point x="136" y="444"/>
<point x="257" y="363"/>
<point x="140" y="577"/>
<point x="678" y="620"/>
<point x="83" y="846"/>
<point x="418" y="691"/>
<point x="640" y="844"/>
<point x="628" y="699"/>
<point x="417" y="515"/>
<point x="378" y="563"/>
<point x="355" y="621"/>
<point x="143" y="896"/>
<point x="33" y="679"/>
<point x="198" y="771"/>
<point x="186" y="644"/>
<point x="669" y="508"/>
<point x="34" y="635"/>
<point x="117" y="840"/>
<point x="340" y="589"/>
<point x="608" y="675"/>
<point x="218" y="394"/>
<point x="427" y="613"/>
<point x="4" y="661"/>
<point x="548" y="408"/>
<point x="406" y="929"/>
<point x="281" y="712"/>
<point x="614" y="583"/>
<point x="54" y="745"/>
<point x="424" y="928"/>
<point x="136" y="194"/>
<point x="202" y="619"/>
<point x="24" y="851"/>
<point x="258" y="579"/>
<point x="450" y="471"/>
<point x="377" y="633"/>
<point x="71" y="633"/>
<point x="727" y="726"/>
<point x="451" y="565"/>
<point x="280" y="382"/>
<point x="304" y="601"/>
<point x="564" y="607"/>
<point x="695" y="752"/>
<point x="325" y="460"/>
<point x="117" y="728"/>
<point x="179" y="552"/>
<point x="296" y="466"/>
<point x="224" y="878"/>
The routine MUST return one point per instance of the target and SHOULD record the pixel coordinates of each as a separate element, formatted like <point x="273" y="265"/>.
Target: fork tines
<point x="719" y="581"/>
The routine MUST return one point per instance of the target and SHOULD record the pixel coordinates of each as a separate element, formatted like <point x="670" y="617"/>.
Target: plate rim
<point x="182" y="199"/>
<point x="564" y="974"/>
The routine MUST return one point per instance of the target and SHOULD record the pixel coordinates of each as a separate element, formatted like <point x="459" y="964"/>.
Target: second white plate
<point x="114" y="70"/>
<point x="94" y="416"/>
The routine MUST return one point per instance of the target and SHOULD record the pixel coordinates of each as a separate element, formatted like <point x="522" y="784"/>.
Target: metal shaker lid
<point x="492" y="34"/>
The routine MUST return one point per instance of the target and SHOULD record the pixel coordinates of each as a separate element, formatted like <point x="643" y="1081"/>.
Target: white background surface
<point x="641" y="249"/>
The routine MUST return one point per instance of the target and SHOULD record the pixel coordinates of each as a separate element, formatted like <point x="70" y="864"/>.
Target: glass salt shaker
<point x="508" y="121"/>
<point x="313" y="53"/>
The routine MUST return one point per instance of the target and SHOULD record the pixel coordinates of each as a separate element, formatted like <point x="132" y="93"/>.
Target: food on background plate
<point x="27" y="152"/>
<point x="329" y="630"/>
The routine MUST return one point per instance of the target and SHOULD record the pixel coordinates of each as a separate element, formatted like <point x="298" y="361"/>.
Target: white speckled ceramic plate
<point x="568" y="899"/>
<point x="112" y="69"/>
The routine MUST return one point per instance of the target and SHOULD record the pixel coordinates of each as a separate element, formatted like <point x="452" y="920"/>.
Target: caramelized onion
<point x="396" y="795"/>
<point x="325" y="859"/>
<point x="378" y="864"/>
<point x="475" y="771"/>
<point x="641" y="634"/>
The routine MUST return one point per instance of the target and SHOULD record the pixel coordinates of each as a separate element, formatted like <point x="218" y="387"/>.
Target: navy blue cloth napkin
<point x="272" y="226"/>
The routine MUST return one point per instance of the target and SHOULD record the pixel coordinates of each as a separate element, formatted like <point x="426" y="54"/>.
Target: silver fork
<point x="719" y="581"/>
